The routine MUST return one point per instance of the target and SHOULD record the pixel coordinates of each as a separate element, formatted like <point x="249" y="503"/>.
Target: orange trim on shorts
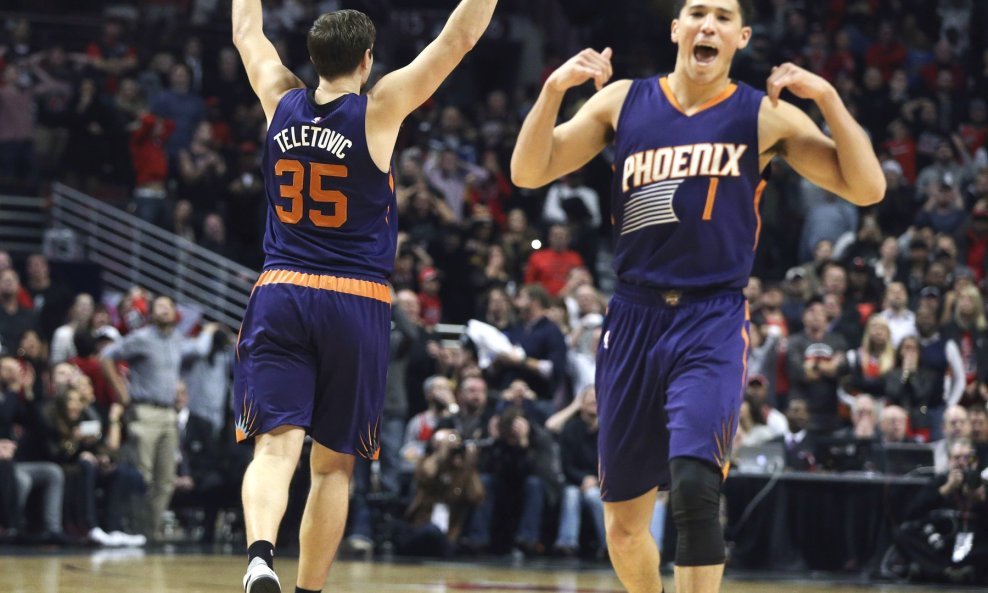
<point x="758" y="214"/>
<point x="667" y="91"/>
<point x="362" y="288"/>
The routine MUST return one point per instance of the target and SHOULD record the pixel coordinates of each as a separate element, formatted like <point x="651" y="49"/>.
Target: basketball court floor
<point x="125" y="571"/>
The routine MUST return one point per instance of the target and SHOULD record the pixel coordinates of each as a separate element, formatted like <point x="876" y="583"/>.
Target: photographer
<point x="948" y="538"/>
<point x="447" y="489"/>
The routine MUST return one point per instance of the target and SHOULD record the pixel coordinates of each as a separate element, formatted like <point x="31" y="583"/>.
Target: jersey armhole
<point x="281" y="102"/>
<point x="632" y="89"/>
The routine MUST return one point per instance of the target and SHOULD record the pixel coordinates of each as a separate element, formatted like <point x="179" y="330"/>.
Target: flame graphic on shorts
<point x="370" y="447"/>
<point x="248" y="416"/>
<point x="725" y="443"/>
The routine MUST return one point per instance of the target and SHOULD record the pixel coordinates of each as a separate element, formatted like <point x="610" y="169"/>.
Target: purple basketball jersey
<point x="332" y="210"/>
<point x="686" y="188"/>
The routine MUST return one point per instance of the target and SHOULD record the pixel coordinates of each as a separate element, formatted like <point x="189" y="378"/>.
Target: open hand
<point x="800" y="82"/>
<point x="586" y="65"/>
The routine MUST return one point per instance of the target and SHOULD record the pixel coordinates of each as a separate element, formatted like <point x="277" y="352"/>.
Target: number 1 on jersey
<point x="708" y="210"/>
<point x="293" y="191"/>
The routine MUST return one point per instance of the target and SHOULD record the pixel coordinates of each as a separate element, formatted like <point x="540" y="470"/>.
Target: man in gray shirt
<point x="154" y="357"/>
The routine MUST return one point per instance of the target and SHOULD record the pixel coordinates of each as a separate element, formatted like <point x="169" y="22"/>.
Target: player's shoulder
<point x="779" y="122"/>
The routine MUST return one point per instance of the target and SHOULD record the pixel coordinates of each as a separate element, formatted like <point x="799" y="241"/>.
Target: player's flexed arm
<point x="269" y="78"/>
<point x="846" y="164"/>
<point x="544" y="151"/>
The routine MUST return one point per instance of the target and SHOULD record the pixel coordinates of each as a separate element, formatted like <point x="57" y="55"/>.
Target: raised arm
<point x="844" y="164"/>
<point x="401" y="92"/>
<point x="269" y="78"/>
<point x="544" y="151"/>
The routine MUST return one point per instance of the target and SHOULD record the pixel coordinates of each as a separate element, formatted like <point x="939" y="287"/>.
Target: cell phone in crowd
<point x="89" y="428"/>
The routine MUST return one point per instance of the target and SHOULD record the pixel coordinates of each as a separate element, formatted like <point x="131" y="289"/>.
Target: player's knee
<point x="624" y="533"/>
<point x="323" y="462"/>
<point x="695" y="502"/>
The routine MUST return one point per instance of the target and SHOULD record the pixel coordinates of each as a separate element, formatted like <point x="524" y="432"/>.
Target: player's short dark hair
<point x="747" y="10"/>
<point x="337" y="42"/>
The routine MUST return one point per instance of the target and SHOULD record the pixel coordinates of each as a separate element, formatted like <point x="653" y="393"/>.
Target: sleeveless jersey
<point x="686" y="189"/>
<point x="331" y="209"/>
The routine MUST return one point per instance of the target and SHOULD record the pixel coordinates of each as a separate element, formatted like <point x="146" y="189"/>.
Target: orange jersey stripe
<point x="708" y="210"/>
<point x="758" y="213"/>
<point x="363" y="288"/>
<point x="667" y="90"/>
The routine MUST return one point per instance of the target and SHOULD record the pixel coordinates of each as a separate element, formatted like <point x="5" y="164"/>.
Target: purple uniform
<point x="672" y="356"/>
<point x="313" y="348"/>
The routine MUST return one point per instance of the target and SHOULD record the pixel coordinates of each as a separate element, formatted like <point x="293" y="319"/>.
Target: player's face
<point x="708" y="33"/>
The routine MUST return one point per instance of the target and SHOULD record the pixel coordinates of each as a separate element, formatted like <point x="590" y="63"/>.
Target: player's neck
<point x="329" y="90"/>
<point x="690" y="94"/>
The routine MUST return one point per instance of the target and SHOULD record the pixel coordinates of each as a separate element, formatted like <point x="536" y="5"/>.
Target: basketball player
<point x="313" y="351"/>
<point x="691" y="152"/>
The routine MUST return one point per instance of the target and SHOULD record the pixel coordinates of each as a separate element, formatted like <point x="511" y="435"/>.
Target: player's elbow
<point x="874" y="194"/>
<point x="524" y="179"/>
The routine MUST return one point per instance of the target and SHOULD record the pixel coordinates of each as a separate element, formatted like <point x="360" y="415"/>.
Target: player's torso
<point x="686" y="188"/>
<point x="331" y="209"/>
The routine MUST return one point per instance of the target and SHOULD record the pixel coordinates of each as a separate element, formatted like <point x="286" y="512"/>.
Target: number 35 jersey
<point x="686" y="189"/>
<point x="331" y="209"/>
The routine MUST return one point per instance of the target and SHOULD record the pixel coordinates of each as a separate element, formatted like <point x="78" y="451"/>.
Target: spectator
<point x="418" y="433"/>
<point x="956" y="425"/>
<point x="29" y="474"/>
<point x="201" y="169"/>
<point x="52" y="300"/>
<point x="799" y="443"/>
<point x="80" y="318"/>
<point x="200" y="479"/>
<point x="933" y="548"/>
<point x="15" y="320"/>
<point x="967" y="329"/>
<point x="870" y="364"/>
<point x="150" y="162"/>
<point x="112" y="56"/>
<point x="430" y="304"/>
<point x="913" y="385"/>
<point x="154" y="355"/>
<point x="448" y="490"/>
<point x="87" y="346"/>
<point x="518" y="240"/>
<point x="206" y="374"/>
<point x="18" y="166"/>
<point x="453" y="176"/>
<point x="180" y="105"/>
<point x="518" y="476"/>
<point x="864" y="421"/>
<point x="543" y="364"/>
<point x="550" y="267"/>
<point x="893" y="425"/>
<point x="95" y="139"/>
<point x="77" y="443"/>
<point x="472" y="418"/>
<point x="572" y="203"/>
<point x="901" y="321"/>
<point x="814" y="360"/>
<point x="944" y="207"/>
<point x="581" y="490"/>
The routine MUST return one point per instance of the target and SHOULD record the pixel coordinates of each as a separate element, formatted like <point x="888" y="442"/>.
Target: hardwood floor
<point x="123" y="571"/>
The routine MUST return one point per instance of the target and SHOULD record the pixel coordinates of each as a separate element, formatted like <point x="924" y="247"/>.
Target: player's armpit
<point x="787" y="132"/>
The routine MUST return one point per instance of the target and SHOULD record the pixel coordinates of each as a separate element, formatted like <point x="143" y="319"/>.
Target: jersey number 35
<point x="293" y="191"/>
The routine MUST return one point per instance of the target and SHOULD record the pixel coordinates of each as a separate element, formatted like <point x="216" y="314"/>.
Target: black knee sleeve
<point x="695" y="504"/>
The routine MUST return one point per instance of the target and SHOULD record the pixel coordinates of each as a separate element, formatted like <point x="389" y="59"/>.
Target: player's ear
<point x="745" y="37"/>
<point x="674" y="31"/>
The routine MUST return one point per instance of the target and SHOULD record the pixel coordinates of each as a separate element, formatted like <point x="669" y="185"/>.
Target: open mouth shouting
<point x="705" y="53"/>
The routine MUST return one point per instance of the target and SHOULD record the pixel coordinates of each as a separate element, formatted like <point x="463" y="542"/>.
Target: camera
<point x="972" y="479"/>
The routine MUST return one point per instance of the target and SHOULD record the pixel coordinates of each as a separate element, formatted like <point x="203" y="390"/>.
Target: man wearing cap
<point x="943" y="170"/>
<point x="944" y="208"/>
<point x="814" y="359"/>
<point x="939" y="354"/>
